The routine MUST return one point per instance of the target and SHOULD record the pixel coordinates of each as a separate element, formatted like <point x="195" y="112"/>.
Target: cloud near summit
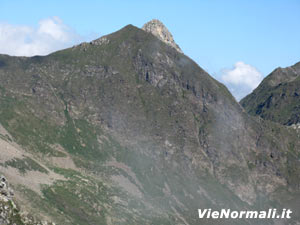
<point x="50" y="35"/>
<point x="241" y="79"/>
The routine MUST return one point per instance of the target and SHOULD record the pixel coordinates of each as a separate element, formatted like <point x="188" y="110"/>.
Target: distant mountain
<point x="277" y="98"/>
<point x="126" y="129"/>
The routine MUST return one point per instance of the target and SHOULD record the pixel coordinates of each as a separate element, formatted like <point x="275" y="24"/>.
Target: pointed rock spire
<point x="159" y="30"/>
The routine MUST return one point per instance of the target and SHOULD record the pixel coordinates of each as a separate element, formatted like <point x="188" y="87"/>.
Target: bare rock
<point x="159" y="30"/>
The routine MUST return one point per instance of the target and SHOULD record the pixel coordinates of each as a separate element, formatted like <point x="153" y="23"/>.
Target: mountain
<point x="277" y="98"/>
<point x="126" y="129"/>
<point x="159" y="30"/>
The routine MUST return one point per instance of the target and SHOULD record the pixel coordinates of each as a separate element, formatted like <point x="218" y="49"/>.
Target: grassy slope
<point x="278" y="102"/>
<point x="94" y="101"/>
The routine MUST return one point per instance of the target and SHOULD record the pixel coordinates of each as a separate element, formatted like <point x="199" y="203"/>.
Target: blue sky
<point x="237" y="42"/>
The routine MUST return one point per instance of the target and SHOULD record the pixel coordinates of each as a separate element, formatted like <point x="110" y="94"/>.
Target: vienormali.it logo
<point x="246" y="214"/>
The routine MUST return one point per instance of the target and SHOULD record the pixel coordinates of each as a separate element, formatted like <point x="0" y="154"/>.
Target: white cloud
<point x="51" y="35"/>
<point x="241" y="79"/>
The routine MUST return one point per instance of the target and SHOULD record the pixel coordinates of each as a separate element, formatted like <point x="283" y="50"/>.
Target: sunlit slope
<point x="127" y="130"/>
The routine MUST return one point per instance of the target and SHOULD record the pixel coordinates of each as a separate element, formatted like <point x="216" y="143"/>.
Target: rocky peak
<point x="282" y="75"/>
<point x="159" y="30"/>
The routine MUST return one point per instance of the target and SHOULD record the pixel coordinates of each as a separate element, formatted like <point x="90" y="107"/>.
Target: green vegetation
<point x="25" y="164"/>
<point x="13" y="216"/>
<point x="140" y="133"/>
<point x="277" y="97"/>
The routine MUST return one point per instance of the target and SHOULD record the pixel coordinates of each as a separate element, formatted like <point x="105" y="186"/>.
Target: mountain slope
<point x="128" y="130"/>
<point x="277" y="98"/>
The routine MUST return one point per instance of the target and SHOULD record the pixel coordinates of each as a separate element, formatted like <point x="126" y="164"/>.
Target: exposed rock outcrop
<point x="9" y="212"/>
<point x="6" y="193"/>
<point x="159" y="30"/>
<point x="152" y="136"/>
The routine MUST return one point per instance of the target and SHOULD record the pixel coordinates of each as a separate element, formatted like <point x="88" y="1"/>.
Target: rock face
<point x="277" y="98"/>
<point x="138" y="134"/>
<point x="6" y="193"/>
<point x="9" y="212"/>
<point x="159" y="30"/>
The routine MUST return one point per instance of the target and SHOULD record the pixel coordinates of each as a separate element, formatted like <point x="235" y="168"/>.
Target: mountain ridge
<point x="277" y="97"/>
<point x="145" y="134"/>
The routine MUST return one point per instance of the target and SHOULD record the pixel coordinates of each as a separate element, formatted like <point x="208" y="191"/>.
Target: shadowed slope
<point x="141" y="135"/>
